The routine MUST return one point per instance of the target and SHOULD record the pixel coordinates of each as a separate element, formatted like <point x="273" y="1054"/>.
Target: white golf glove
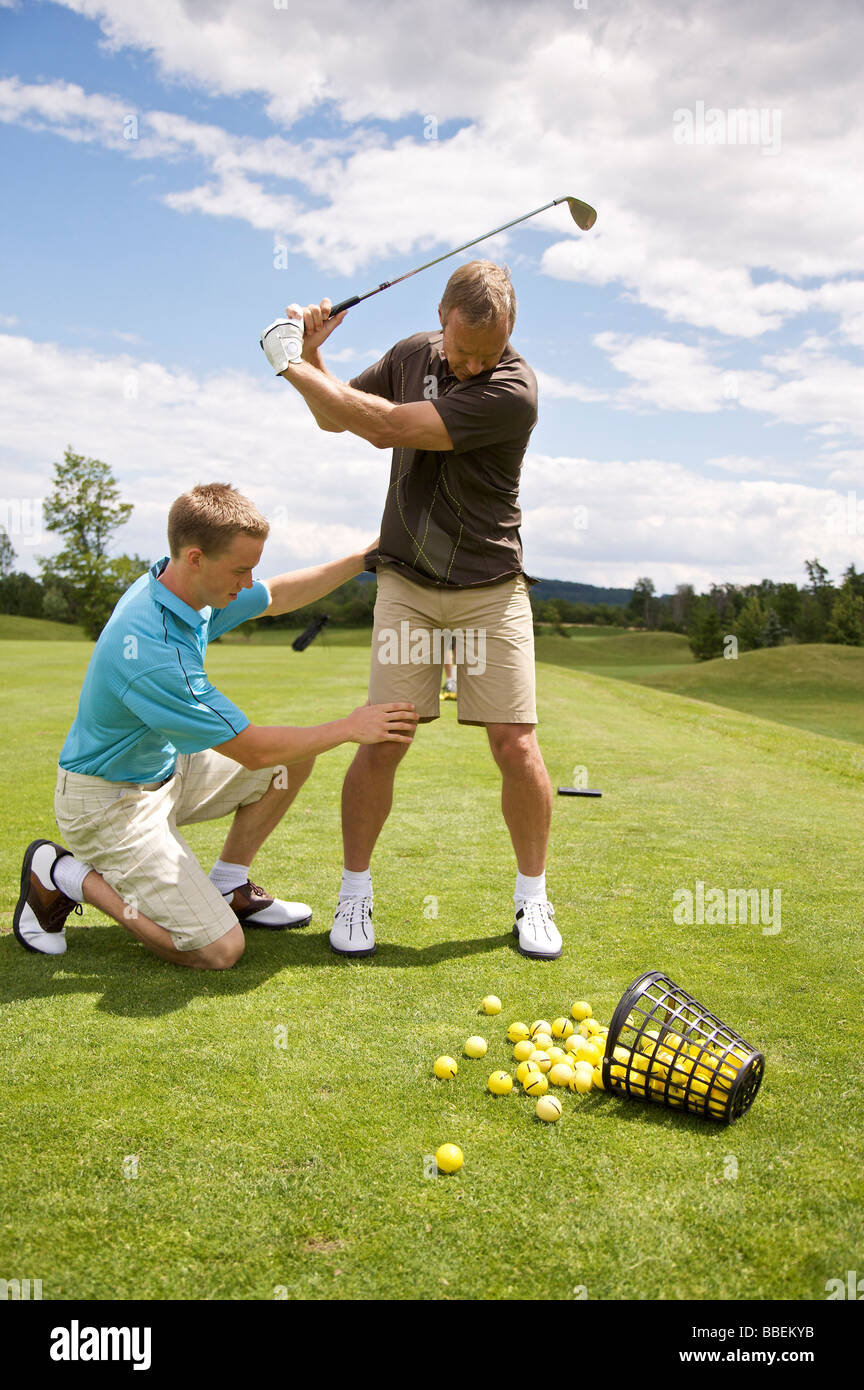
<point x="282" y="342"/>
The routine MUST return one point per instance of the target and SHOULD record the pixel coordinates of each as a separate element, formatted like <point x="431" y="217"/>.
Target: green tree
<point x="820" y="586"/>
<point x="846" y="624"/>
<point x="855" y="579"/>
<point x="85" y="508"/>
<point x="750" y="624"/>
<point x="639" y="607"/>
<point x="55" y="605"/>
<point x="787" y="605"/>
<point x="811" y="620"/>
<point x="773" y="632"/>
<point x="706" y="631"/>
<point x="21" y="594"/>
<point x="7" y="554"/>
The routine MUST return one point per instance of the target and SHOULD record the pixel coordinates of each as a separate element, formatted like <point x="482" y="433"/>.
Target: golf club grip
<point x="345" y="304"/>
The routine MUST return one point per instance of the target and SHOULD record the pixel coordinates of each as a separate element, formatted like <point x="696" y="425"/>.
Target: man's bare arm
<point x="414" y="426"/>
<point x="336" y="406"/>
<point x="263" y="745"/>
<point x="299" y="587"/>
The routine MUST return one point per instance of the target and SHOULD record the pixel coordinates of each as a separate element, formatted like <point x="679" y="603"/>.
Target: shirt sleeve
<point x="478" y="414"/>
<point x="249" y="603"/>
<point x="184" y="707"/>
<point x="376" y="380"/>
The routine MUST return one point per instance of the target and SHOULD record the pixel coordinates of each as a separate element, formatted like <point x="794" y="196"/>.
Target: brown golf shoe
<point x="253" y="907"/>
<point x="39" y="919"/>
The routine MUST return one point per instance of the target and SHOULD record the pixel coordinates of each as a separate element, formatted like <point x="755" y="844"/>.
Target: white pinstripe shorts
<point x="127" y="831"/>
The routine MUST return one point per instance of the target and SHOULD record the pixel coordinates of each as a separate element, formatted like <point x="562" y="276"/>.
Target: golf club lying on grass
<point x="583" y="215"/>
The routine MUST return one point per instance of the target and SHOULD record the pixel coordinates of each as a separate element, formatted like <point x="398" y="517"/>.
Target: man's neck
<point x="174" y="581"/>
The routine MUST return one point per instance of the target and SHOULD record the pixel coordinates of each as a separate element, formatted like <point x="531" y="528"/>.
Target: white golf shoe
<point x="352" y="933"/>
<point x="538" y="935"/>
<point x="39" y="919"/>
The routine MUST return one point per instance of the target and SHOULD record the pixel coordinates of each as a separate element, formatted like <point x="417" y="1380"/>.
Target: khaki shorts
<point x="493" y="632"/>
<point x="128" y="833"/>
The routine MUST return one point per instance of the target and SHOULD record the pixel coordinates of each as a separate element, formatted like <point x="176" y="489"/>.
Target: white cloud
<point x="549" y="99"/>
<point x="554" y="388"/>
<point x="670" y="375"/>
<point x="808" y="385"/>
<point x="609" y="521"/>
<point x="163" y="430"/>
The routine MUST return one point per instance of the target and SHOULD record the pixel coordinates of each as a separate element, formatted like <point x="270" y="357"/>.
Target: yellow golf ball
<point x="593" y="1053"/>
<point x="548" y="1108"/>
<point x="561" y="1028"/>
<point x="445" y="1068"/>
<point x="583" y="1078"/>
<point x="597" y="1077"/>
<point x="517" y="1032"/>
<point x="475" y="1047"/>
<point x="581" y="1009"/>
<point x="541" y="1059"/>
<point x="579" y="1048"/>
<point x="449" y="1158"/>
<point x="557" y="1054"/>
<point x="522" y="1051"/>
<point x="561" y="1074"/>
<point x="540" y="1026"/>
<point x="500" y="1083"/>
<point x="491" y="1004"/>
<point x="543" y="1041"/>
<point x="535" y="1084"/>
<point x="592" y="1025"/>
<point x="525" y="1069"/>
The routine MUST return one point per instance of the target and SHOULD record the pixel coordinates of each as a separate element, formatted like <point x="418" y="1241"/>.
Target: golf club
<point x="583" y="215"/>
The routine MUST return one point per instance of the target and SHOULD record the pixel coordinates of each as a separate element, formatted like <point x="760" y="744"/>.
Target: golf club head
<point x="582" y="213"/>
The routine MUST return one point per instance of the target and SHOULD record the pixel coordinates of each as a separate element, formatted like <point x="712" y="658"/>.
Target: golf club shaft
<point x="358" y="298"/>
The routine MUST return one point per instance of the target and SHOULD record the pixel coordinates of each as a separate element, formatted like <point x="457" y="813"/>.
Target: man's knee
<point x="222" y="954"/>
<point x="513" y="745"/>
<point x="380" y="757"/>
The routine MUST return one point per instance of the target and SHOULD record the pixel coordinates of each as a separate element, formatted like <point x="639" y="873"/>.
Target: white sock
<point x="356" y="885"/>
<point x="69" y="875"/>
<point x="227" y="877"/>
<point x="528" y="887"/>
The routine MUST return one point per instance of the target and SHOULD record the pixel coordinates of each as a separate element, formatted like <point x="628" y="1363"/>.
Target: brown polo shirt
<point x="452" y="517"/>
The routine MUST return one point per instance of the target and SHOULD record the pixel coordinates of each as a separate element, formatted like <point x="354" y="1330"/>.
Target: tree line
<point x="766" y="614"/>
<point x="83" y="581"/>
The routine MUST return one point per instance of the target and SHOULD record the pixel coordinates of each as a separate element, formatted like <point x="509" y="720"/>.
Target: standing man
<point x="154" y="745"/>
<point x="457" y="408"/>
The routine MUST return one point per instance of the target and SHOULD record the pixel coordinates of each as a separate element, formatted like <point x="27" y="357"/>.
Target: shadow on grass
<point x="132" y="982"/>
<point x="135" y="984"/>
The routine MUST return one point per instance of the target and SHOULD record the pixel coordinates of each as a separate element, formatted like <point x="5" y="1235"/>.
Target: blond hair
<point x="483" y="291"/>
<point x="210" y="516"/>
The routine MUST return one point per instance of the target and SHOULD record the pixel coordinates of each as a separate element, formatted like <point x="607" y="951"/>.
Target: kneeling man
<point x="154" y="745"/>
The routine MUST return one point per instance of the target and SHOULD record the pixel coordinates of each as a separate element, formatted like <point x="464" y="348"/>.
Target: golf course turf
<point x="267" y="1131"/>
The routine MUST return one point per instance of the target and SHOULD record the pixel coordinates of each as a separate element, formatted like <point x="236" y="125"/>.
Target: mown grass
<point x="262" y="1166"/>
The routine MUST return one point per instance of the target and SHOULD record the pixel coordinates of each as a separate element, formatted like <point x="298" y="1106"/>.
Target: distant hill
<point x="571" y="590"/>
<point x="38" y="630"/>
<point x="814" y="686"/>
<point x="574" y="592"/>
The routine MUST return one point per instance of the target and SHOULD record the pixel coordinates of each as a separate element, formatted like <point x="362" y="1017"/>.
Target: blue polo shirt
<point x="146" y="696"/>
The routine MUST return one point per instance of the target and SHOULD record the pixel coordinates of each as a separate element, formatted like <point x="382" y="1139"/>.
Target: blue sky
<point x="699" y="351"/>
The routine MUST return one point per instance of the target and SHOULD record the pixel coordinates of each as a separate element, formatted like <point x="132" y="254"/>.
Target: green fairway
<point x="262" y="1167"/>
<point x="813" y="686"/>
<point x="817" y="686"/>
